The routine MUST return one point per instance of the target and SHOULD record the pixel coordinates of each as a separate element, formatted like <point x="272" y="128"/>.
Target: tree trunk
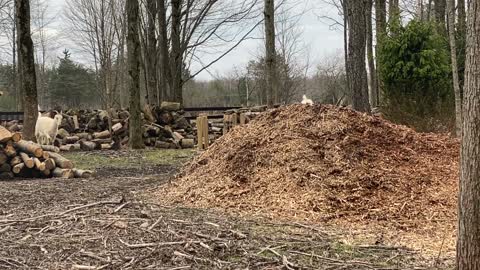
<point x="176" y="58"/>
<point x="461" y="40"/>
<point x="164" y="61"/>
<point x="26" y="63"/>
<point x="393" y="10"/>
<point x="453" y="53"/>
<point x="381" y="26"/>
<point x="151" y="60"/>
<point x="269" y="13"/>
<point x="419" y="10"/>
<point x="440" y="15"/>
<point x="468" y="242"/>
<point x="358" y="84"/>
<point x="345" y="44"/>
<point x="133" y="49"/>
<point x="371" y="61"/>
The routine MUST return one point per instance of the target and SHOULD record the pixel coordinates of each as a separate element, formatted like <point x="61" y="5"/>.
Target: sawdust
<point x="324" y="163"/>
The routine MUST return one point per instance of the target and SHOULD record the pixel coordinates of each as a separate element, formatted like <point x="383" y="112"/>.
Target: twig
<point x="162" y="244"/>
<point x="155" y="224"/>
<point x="121" y="207"/>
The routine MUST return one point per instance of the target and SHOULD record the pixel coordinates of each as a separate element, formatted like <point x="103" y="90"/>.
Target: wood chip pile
<point x="320" y="162"/>
<point x="26" y="159"/>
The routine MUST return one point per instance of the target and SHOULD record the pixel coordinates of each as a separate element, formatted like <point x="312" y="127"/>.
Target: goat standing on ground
<point x="46" y="128"/>
<point x="306" y="101"/>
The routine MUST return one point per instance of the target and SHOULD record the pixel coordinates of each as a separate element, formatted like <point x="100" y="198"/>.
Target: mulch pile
<point x="320" y="163"/>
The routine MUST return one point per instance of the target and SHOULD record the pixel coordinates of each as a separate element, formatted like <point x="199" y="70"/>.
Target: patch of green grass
<point x="128" y="159"/>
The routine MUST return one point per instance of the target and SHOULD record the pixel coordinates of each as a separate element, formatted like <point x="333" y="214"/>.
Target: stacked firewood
<point x="86" y="130"/>
<point x="26" y="159"/>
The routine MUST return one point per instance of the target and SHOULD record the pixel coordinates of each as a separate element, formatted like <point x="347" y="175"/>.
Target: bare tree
<point x="272" y="92"/>
<point x="133" y="48"/>
<point x="468" y="243"/>
<point x="94" y="25"/>
<point x="381" y="31"/>
<point x="453" y="54"/>
<point x="151" y="59"/>
<point x="357" y="40"/>
<point x="370" y="57"/>
<point x="26" y="61"/>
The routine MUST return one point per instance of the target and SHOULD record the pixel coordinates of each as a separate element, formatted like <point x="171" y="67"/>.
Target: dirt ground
<point x="109" y="222"/>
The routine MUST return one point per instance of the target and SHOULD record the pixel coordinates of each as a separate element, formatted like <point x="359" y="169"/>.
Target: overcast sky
<point x="317" y="35"/>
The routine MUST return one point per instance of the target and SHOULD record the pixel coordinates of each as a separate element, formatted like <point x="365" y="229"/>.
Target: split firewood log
<point x="30" y="148"/>
<point x="61" y="161"/>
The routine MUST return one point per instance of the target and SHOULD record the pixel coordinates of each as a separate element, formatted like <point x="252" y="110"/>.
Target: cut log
<point x="62" y="133"/>
<point x="71" y="139"/>
<point x="46" y="172"/>
<point x="102" y="141"/>
<point x="87" y="146"/>
<point x="61" y="161"/>
<point x="147" y="112"/>
<point x="27" y="160"/>
<point x="50" y="148"/>
<point x="50" y="164"/>
<point x="29" y="148"/>
<point x="83" y="173"/>
<point x="116" y="128"/>
<point x="3" y="158"/>
<point x="63" y="173"/>
<point x="102" y="135"/>
<point x="177" y="136"/>
<point x="15" y="161"/>
<point x="18" y="168"/>
<point x="67" y="148"/>
<point x="16" y="137"/>
<point x="39" y="165"/>
<point x="170" y="106"/>
<point x="187" y="143"/>
<point x="5" y="168"/>
<point x="14" y="127"/>
<point x="162" y="145"/>
<point x="84" y="136"/>
<point x="46" y="155"/>
<point x="105" y="146"/>
<point x="5" y="135"/>
<point x="75" y="122"/>
<point x="10" y="151"/>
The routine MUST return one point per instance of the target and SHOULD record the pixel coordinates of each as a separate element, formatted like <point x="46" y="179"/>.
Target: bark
<point x="381" y="27"/>
<point x="461" y="39"/>
<point x="133" y="48"/>
<point x="269" y="13"/>
<point x="151" y="60"/>
<point x="419" y="10"/>
<point x="440" y="15"/>
<point x="393" y="10"/>
<point x="164" y="60"/>
<point x="345" y="42"/>
<point x="370" y="57"/>
<point x="358" y="84"/>
<point x="176" y="57"/>
<point x="453" y="53"/>
<point x="468" y="242"/>
<point x="26" y="63"/>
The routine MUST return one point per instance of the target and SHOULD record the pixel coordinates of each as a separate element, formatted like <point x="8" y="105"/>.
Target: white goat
<point x="306" y="101"/>
<point x="46" y="128"/>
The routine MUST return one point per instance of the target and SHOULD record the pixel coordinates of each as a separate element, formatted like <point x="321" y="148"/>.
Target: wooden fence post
<point x="202" y="132"/>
